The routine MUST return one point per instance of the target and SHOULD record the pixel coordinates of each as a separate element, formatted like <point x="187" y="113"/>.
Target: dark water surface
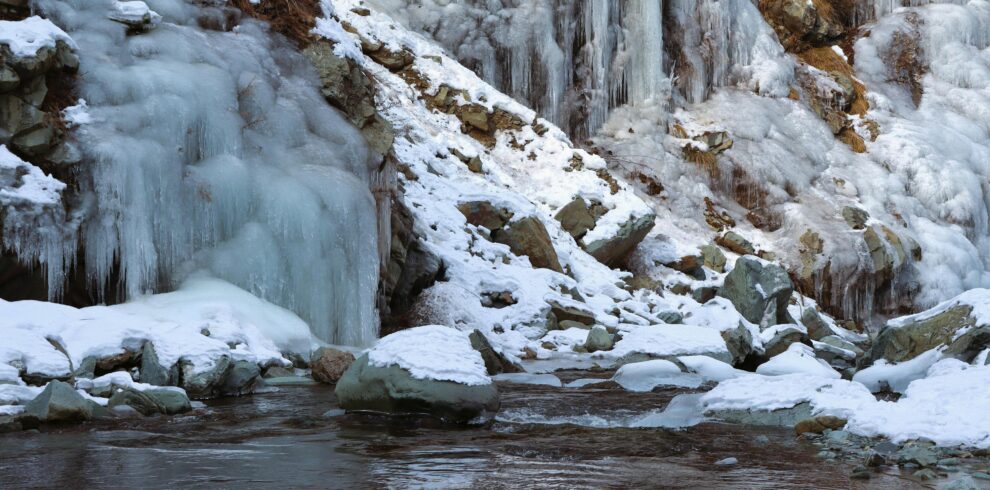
<point x="283" y="440"/>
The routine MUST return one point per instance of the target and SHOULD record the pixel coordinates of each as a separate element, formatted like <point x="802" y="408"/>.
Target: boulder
<point x="528" y="236"/>
<point x="208" y="383"/>
<point x="393" y="390"/>
<point x="817" y="327"/>
<point x="241" y="379"/>
<point x="784" y="417"/>
<point x="735" y="242"/>
<point x="613" y="251"/>
<point x="802" y="23"/>
<point x="172" y="401"/>
<point x="739" y="341"/>
<point x="484" y="214"/>
<point x="138" y="400"/>
<point x="563" y="316"/>
<point x="152" y="371"/>
<point x="759" y="290"/>
<point x="495" y="363"/>
<point x="579" y="217"/>
<point x="906" y="338"/>
<point x="598" y="339"/>
<point x="783" y="338"/>
<point x="329" y="364"/>
<point x="59" y="403"/>
<point x="713" y="258"/>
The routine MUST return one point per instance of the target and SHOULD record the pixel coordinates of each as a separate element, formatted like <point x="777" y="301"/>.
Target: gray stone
<point x="968" y="345"/>
<point x="785" y="417"/>
<point x="206" y="384"/>
<point x="562" y="313"/>
<point x="86" y="368"/>
<point x="784" y="337"/>
<point x="495" y="363"/>
<point x="614" y="251"/>
<point x="920" y="455"/>
<point x="138" y="400"/>
<point x="59" y="403"/>
<point x="911" y="339"/>
<point x="739" y="341"/>
<point x="9" y="79"/>
<point x="394" y="391"/>
<point x="713" y="258"/>
<point x="241" y="379"/>
<point x="35" y="142"/>
<point x="10" y="423"/>
<point x="171" y="401"/>
<point x="962" y="483"/>
<point x="152" y="371"/>
<point x="528" y="237"/>
<point x="759" y="290"/>
<point x="279" y="372"/>
<point x="329" y="364"/>
<point x="598" y="339"/>
<point x="817" y="327"/>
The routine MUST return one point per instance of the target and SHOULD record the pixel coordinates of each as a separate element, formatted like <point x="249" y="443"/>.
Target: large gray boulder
<point x="241" y="379"/>
<point x="614" y="250"/>
<point x="759" y="290"/>
<point x="171" y="401"/>
<point x="393" y="390"/>
<point x="59" y="403"/>
<point x="140" y="401"/>
<point x="208" y="383"/>
<point x="906" y="338"/>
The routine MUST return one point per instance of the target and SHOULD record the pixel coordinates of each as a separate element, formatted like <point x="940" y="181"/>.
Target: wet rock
<point x="818" y="425"/>
<point x="172" y="401"/>
<point x="713" y="258"/>
<point x="528" y="237"/>
<point x="484" y="214"/>
<point x="735" y="242"/>
<point x="704" y="294"/>
<point x="598" y="339"/>
<point x="961" y="483"/>
<point x="759" y="290"/>
<point x="785" y="417"/>
<point x="614" y="251"/>
<point x="925" y="474"/>
<point x="121" y="361"/>
<point x="393" y="390"/>
<point x="59" y="403"/>
<point x="329" y="364"/>
<point x="278" y="372"/>
<point x="579" y="217"/>
<point x="861" y="473"/>
<point x="241" y="379"/>
<point x="855" y="217"/>
<point x="152" y="371"/>
<point x="138" y="400"/>
<point x="9" y="79"/>
<point x="495" y="363"/>
<point x="909" y="340"/>
<point x="208" y="383"/>
<point x="10" y="423"/>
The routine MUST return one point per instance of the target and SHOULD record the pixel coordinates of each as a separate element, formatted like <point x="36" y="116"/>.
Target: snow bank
<point x="797" y="359"/>
<point x="644" y="376"/>
<point x="432" y="352"/>
<point x="669" y="340"/>
<point x="202" y="321"/>
<point x="26" y="37"/>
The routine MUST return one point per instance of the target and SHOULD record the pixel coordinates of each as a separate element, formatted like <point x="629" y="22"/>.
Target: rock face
<point x="614" y="251"/>
<point x="59" y="403"/>
<point x="802" y="23"/>
<point x="393" y="390"/>
<point x="411" y="267"/>
<point x="908" y="338"/>
<point x="25" y="126"/>
<point x="759" y="290"/>
<point x="528" y="236"/>
<point x="329" y="364"/>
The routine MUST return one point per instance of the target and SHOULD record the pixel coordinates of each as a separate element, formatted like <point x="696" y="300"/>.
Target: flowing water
<point x="286" y="439"/>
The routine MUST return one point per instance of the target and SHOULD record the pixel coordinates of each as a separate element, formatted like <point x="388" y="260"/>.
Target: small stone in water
<point x="925" y="474"/>
<point x="726" y="462"/>
<point x="762" y="439"/>
<point x="861" y="473"/>
<point x="336" y="412"/>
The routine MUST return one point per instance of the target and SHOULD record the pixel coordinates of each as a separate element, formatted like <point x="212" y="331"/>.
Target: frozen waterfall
<point x="214" y="151"/>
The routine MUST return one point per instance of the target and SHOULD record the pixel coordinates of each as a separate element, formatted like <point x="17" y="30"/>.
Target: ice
<point x="432" y="352"/>
<point x="530" y="379"/>
<point x="215" y="150"/>
<point x="646" y="375"/>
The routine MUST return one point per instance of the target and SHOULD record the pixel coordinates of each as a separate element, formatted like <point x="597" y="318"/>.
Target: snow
<point x="710" y="369"/>
<point x="26" y="37"/>
<point x="119" y="379"/>
<point x="432" y="352"/>
<point x="897" y="376"/>
<point x="176" y="323"/>
<point x="134" y="12"/>
<point x="646" y="375"/>
<point x="77" y="115"/>
<point x="668" y="340"/>
<point x="797" y="359"/>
